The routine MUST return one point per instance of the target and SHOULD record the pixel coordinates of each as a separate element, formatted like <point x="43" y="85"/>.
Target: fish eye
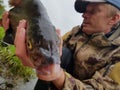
<point x="29" y="45"/>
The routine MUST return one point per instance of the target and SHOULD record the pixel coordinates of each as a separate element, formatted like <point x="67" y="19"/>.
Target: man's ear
<point x="115" y="19"/>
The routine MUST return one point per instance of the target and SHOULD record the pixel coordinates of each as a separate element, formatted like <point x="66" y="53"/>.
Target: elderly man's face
<point x="96" y="18"/>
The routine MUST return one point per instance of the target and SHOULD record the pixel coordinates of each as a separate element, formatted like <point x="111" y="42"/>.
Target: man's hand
<point x="51" y="72"/>
<point x="61" y="41"/>
<point x="20" y="44"/>
<point x="5" y="20"/>
<point x="47" y="73"/>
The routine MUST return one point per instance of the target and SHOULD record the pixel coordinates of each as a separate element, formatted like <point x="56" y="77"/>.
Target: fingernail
<point x="20" y="21"/>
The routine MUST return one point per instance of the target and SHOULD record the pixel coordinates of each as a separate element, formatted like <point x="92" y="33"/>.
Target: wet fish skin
<point x="41" y="39"/>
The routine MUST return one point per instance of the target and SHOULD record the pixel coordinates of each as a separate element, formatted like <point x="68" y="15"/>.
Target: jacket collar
<point x="100" y="39"/>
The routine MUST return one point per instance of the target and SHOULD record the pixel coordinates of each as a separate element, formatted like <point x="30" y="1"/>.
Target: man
<point x="95" y="46"/>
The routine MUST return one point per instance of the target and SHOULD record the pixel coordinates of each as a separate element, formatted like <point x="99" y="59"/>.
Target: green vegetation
<point x="11" y="68"/>
<point x="1" y="7"/>
<point x="12" y="71"/>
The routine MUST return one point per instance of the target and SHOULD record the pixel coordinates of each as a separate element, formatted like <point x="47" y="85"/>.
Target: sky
<point x="62" y="14"/>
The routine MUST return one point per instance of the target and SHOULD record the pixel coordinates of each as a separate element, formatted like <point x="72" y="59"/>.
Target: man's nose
<point x="85" y="15"/>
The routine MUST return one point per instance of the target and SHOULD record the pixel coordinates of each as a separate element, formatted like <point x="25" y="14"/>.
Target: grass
<point x="11" y="69"/>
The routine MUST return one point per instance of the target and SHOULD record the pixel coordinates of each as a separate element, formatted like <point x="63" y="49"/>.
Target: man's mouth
<point x="85" y="23"/>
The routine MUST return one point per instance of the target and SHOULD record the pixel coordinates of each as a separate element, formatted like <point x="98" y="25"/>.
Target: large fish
<point x="41" y="40"/>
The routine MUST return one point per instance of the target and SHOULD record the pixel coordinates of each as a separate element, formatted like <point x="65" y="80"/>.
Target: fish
<point x="42" y="41"/>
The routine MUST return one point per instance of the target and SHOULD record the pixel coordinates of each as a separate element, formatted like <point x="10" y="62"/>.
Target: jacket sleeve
<point x="65" y="36"/>
<point x="99" y="82"/>
<point x="111" y="81"/>
<point x="70" y="33"/>
<point x="72" y="84"/>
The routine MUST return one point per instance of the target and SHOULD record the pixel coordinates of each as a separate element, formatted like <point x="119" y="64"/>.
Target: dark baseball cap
<point x="80" y="5"/>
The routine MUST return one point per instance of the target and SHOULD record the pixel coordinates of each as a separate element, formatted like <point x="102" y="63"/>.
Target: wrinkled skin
<point x="41" y="40"/>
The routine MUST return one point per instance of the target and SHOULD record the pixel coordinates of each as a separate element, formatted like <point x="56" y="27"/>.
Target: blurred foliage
<point x="11" y="69"/>
<point x="2" y="8"/>
<point x="2" y="33"/>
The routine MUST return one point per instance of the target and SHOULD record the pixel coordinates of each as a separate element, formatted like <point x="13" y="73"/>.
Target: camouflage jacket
<point x="96" y="61"/>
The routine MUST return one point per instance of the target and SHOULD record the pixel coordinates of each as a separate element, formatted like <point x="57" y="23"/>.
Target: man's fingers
<point x="20" y="45"/>
<point x="5" y="15"/>
<point x="5" y="20"/>
<point x="20" y="32"/>
<point x="61" y="41"/>
<point x="58" y="32"/>
<point x="22" y="24"/>
<point x="20" y="35"/>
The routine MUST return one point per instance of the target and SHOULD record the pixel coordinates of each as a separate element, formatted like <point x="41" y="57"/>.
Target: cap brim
<point x="80" y="5"/>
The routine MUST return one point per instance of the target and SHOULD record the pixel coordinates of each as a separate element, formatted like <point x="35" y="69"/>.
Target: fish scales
<point x="41" y="38"/>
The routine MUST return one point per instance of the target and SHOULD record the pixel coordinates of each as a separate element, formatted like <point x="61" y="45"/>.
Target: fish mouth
<point x="39" y="62"/>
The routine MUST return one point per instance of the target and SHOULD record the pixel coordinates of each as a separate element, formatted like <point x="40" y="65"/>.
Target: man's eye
<point x="92" y="11"/>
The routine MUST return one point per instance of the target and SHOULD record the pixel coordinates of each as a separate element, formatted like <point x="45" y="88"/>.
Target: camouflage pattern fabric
<point x="96" y="61"/>
<point x="72" y="84"/>
<point x="94" y="58"/>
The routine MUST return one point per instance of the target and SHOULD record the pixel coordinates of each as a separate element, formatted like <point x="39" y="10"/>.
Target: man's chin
<point x="87" y="31"/>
